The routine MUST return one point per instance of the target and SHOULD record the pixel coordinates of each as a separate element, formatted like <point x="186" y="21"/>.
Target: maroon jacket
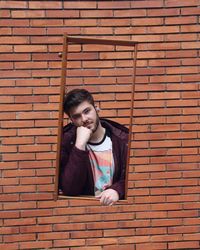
<point x="76" y="174"/>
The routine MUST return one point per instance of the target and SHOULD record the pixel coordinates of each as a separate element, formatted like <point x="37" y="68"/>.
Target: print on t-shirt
<point x="101" y="158"/>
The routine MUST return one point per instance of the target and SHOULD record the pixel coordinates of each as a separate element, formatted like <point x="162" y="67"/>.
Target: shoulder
<point x="69" y="133"/>
<point x="116" y="130"/>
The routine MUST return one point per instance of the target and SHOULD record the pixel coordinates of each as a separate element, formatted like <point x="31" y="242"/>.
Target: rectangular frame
<point x="87" y="40"/>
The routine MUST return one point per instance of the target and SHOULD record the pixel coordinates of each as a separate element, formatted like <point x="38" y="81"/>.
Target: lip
<point x="88" y="125"/>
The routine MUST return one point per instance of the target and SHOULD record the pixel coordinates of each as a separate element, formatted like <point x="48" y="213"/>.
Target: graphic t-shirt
<point x="101" y="159"/>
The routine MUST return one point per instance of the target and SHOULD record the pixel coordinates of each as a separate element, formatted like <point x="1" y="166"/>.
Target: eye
<point x="75" y="117"/>
<point x="86" y="111"/>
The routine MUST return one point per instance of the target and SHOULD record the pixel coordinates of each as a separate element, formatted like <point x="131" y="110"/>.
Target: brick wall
<point x="163" y="197"/>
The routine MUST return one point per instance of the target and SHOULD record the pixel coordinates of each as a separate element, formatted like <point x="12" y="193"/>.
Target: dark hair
<point x="75" y="97"/>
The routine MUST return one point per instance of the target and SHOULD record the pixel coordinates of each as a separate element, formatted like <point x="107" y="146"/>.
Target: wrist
<point x="80" y="146"/>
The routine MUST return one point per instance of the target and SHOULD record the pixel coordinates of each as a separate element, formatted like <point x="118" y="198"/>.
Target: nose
<point x="84" y="118"/>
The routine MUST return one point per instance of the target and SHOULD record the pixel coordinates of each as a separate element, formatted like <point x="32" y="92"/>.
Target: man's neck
<point x="98" y="135"/>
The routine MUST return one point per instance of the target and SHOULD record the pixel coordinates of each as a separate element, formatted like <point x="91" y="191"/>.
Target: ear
<point x="70" y="120"/>
<point x="97" y="108"/>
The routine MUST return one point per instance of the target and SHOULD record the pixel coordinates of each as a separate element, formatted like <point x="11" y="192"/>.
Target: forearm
<point x="119" y="186"/>
<point x="74" y="174"/>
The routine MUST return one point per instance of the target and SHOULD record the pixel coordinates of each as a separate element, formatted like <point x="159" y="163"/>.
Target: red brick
<point x="147" y="4"/>
<point x="19" y="237"/>
<point x="7" y="99"/>
<point x="15" y="73"/>
<point x="184" y="37"/>
<point x="46" y="188"/>
<point x="36" y="228"/>
<point x="17" y="124"/>
<point x="33" y="115"/>
<point x="53" y="235"/>
<point x="35" y="244"/>
<point x="10" y="214"/>
<point x="182" y="229"/>
<point x="18" y="157"/>
<point x="20" y="221"/>
<point x="102" y="241"/>
<point x="174" y="3"/>
<point x="8" y="132"/>
<point x="80" y="5"/>
<point x="35" y="180"/>
<point x="184" y="197"/>
<point x="9" y="40"/>
<point x="35" y="212"/>
<point x="130" y="13"/>
<point x="190" y="11"/>
<point x="167" y="222"/>
<point x="37" y="197"/>
<point x="33" y="164"/>
<point x="70" y="227"/>
<point x="29" y="31"/>
<point x="34" y="131"/>
<point x="183" y="214"/>
<point x="9" y="246"/>
<point x="4" y="13"/>
<point x="147" y="21"/>
<point x="45" y="5"/>
<point x="43" y="172"/>
<point x="10" y="181"/>
<point x="46" y="22"/>
<point x="134" y="239"/>
<point x="19" y="189"/>
<point x="91" y="248"/>
<point x="14" y="57"/>
<point x="182" y="70"/>
<point x="19" y="205"/>
<point x="96" y="13"/>
<point x="115" y="22"/>
<point x="180" y="20"/>
<point x="62" y="13"/>
<point x="163" y="29"/>
<point x="8" y="149"/>
<point x="45" y="156"/>
<point x="32" y="82"/>
<point x="15" y="23"/>
<point x="11" y="173"/>
<point x="35" y="148"/>
<point x="6" y="65"/>
<point x="163" y="12"/>
<point x="60" y="31"/>
<point x="113" y="5"/>
<point x="153" y="246"/>
<point x="9" y="230"/>
<point x="6" y="48"/>
<point x="8" y="165"/>
<point x="28" y="13"/>
<point x="69" y="243"/>
<point x="13" y="4"/>
<point x="180" y="245"/>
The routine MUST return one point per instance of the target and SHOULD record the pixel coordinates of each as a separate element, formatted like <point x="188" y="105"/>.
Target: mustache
<point x="87" y="123"/>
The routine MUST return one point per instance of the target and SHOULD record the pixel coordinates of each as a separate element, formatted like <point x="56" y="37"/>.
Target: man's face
<point x="85" y="115"/>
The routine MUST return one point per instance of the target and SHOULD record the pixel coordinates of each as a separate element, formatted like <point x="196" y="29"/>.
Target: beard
<point x="96" y="124"/>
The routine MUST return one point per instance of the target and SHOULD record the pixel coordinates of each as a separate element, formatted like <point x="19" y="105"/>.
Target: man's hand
<point x="82" y="137"/>
<point x="108" y="197"/>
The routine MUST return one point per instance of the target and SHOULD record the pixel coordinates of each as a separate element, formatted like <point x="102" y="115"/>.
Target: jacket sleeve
<point x="74" y="169"/>
<point x="119" y="184"/>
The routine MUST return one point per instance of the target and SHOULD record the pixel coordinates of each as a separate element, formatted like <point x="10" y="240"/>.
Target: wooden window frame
<point x="88" y="40"/>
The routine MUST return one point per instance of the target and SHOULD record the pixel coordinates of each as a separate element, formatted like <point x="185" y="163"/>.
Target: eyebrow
<point x="78" y="114"/>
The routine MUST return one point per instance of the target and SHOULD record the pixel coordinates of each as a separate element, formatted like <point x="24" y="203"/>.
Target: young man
<point x="94" y="151"/>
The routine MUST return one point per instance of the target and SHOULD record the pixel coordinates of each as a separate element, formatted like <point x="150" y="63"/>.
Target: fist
<point x="108" y="197"/>
<point x="83" y="135"/>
